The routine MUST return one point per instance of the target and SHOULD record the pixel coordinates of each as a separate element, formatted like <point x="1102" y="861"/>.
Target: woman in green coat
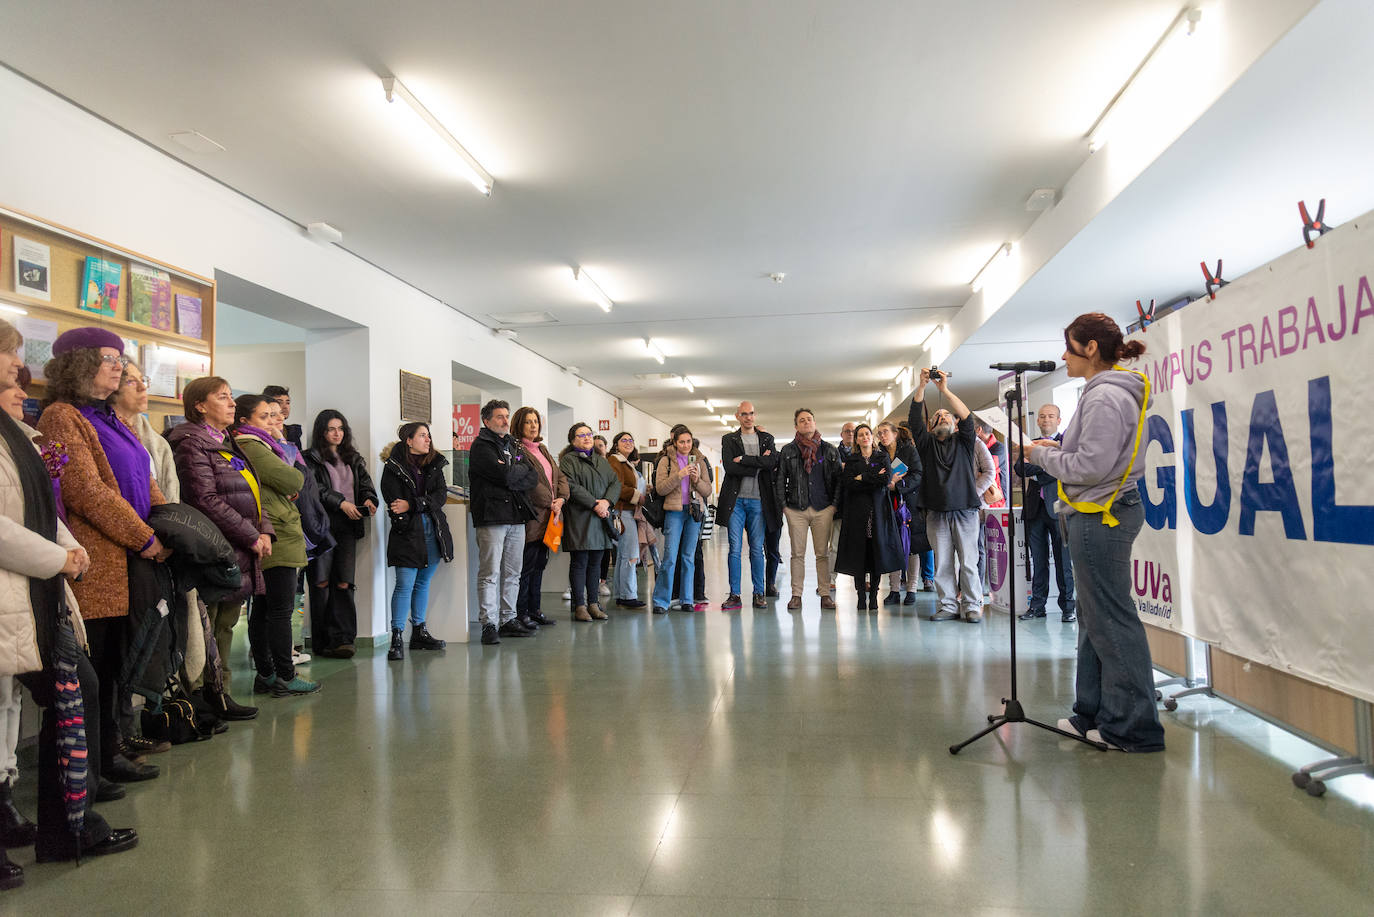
<point x="593" y="488"/>
<point x="269" y="617"/>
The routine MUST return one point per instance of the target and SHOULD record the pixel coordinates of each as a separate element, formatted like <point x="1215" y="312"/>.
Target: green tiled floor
<point x="757" y="762"/>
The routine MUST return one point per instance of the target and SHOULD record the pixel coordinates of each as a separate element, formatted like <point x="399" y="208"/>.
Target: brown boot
<point x="580" y="614"/>
<point x="595" y="611"/>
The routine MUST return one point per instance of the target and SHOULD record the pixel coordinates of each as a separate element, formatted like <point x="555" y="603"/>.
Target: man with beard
<point x="947" y="447"/>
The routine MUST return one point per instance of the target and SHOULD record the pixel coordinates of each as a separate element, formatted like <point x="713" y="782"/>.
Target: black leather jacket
<point x="793" y="485"/>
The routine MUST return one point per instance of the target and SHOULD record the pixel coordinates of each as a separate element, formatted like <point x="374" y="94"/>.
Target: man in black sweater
<point x="948" y="456"/>
<point x="498" y="482"/>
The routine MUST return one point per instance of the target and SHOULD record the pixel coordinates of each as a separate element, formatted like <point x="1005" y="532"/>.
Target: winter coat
<point x="499" y="481"/>
<point x="405" y="544"/>
<point x="867" y="499"/>
<point x="590" y="478"/>
<point x="97" y="514"/>
<point x="23" y="554"/>
<point x="793" y="484"/>
<point x="668" y="482"/>
<point x="544" y="492"/>
<point x="280" y="484"/>
<point x="315" y="524"/>
<point x="363" y="490"/>
<point x="211" y="483"/>
<point x="630" y="495"/>
<point x="765" y="466"/>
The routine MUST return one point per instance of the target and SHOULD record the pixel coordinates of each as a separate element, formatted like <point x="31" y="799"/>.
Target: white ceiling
<point x="876" y="151"/>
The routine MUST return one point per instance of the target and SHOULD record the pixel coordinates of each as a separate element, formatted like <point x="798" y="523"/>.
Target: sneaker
<point x="264" y="685"/>
<point x="660" y="610"/>
<point x="910" y="599"/>
<point x="974" y="617"/>
<point x="1068" y="617"/>
<point x="944" y="614"/>
<point x="760" y="601"/>
<point x="732" y="603"/>
<point x="928" y="585"/>
<point x="299" y="658"/>
<point x="489" y="635"/>
<point x="701" y="606"/>
<point x="1065" y="724"/>
<point x="629" y="603"/>
<point x="141" y="745"/>
<point x="567" y="595"/>
<point x="772" y="592"/>
<point x="295" y="686"/>
<point x="513" y="628"/>
<point x="1031" y="615"/>
<point x="1092" y="735"/>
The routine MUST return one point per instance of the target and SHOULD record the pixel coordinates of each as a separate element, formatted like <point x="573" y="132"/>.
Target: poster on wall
<point x="1259" y="525"/>
<point x="465" y="420"/>
<point x="160" y="370"/>
<point x="32" y="262"/>
<point x="1002" y="556"/>
<point x="39" y="335"/>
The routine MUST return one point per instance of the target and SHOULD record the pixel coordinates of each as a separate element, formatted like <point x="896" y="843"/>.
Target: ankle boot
<point x="15" y="829"/>
<point x="873" y="599"/>
<point x="422" y="639"/>
<point x="226" y="708"/>
<point x="11" y="874"/>
<point x="595" y="611"/>
<point x="398" y="646"/>
<point x="580" y="614"/>
<point x="862" y="600"/>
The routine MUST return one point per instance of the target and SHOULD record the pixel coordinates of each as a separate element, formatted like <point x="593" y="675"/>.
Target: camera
<point x="935" y="374"/>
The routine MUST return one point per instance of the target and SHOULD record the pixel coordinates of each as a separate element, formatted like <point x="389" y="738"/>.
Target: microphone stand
<point x="1012" y="711"/>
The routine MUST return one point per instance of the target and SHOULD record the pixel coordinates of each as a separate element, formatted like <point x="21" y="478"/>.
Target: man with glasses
<point x="498" y="482"/>
<point x="747" y="500"/>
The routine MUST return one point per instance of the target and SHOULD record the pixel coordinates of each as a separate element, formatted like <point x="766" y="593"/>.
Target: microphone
<point x="1039" y="366"/>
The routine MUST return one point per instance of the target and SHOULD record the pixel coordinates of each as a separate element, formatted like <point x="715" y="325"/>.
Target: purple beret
<point x="79" y="338"/>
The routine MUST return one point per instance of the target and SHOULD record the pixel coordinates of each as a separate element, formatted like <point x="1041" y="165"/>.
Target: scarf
<point x="810" y="449"/>
<point x="268" y="440"/>
<point x="216" y="435"/>
<point x="40" y="516"/>
<point x="587" y="454"/>
<point x="538" y="454"/>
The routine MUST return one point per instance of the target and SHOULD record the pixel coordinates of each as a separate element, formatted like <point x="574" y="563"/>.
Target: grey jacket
<point x="1097" y="445"/>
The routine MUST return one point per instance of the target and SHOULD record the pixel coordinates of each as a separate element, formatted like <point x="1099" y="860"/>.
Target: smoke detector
<point x="791" y="383"/>
<point x="777" y="276"/>
<point x="1042" y="199"/>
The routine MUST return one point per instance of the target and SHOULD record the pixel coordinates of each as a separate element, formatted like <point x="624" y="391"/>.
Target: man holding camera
<point x="947" y="447"/>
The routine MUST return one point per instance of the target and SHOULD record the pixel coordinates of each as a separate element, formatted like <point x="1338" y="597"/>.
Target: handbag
<point x="553" y="532"/>
<point x="652" y="505"/>
<point x="615" y="526"/>
<point x="697" y="513"/>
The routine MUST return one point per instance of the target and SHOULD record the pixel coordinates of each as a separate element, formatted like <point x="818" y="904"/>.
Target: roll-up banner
<point x="1259" y="497"/>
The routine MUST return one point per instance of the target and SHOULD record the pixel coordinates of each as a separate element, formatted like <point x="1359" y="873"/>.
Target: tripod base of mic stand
<point x="1012" y="712"/>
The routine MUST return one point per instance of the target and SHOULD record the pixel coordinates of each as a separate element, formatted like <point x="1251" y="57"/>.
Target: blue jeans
<point x="411" y="595"/>
<point x="928" y="565"/>
<point x="680" y="534"/>
<point x="1116" y="685"/>
<point x="748" y="513"/>
<point x="1042" y="534"/>
<point x="626" y="557"/>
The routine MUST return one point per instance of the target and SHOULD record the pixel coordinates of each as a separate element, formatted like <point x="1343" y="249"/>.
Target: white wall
<point x="250" y="369"/>
<point x="143" y="200"/>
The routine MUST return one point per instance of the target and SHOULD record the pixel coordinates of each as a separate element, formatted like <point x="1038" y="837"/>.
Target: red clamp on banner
<point x="1147" y="318"/>
<point x="1214" y="281"/>
<point x="1310" y="226"/>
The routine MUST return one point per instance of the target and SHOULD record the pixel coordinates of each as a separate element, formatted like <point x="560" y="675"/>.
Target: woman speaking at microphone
<point x="1098" y="466"/>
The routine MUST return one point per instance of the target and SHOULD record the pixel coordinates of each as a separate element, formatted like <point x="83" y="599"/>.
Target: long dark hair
<point x="319" y="443"/>
<point x="244" y="406"/>
<point x="615" y="447"/>
<point x="404" y="433"/>
<point x="1111" y="347"/>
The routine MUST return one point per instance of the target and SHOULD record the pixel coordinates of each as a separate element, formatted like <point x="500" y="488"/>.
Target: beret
<point x="79" y="338"/>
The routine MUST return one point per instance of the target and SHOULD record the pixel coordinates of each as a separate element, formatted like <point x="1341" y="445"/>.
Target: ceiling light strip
<point x="653" y="350"/>
<point x="590" y="288"/>
<point x="479" y="177"/>
<point x="1096" y="135"/>
<point x="1003" y="251"/>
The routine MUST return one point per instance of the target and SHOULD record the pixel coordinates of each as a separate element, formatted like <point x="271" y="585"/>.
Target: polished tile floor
<point x="759" y="762"/>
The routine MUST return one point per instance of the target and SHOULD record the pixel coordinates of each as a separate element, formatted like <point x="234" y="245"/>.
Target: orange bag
<point x="553" y="534"/>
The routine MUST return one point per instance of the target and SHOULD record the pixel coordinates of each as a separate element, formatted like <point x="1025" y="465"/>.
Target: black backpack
<point x="652" y="507"/>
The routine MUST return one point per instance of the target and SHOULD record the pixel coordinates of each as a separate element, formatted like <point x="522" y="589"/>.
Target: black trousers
<point x="606" y="564"/>
<point x="870" y="579"/>
<point x="531" y="577"/>
<point x="334" y="608"/>
<point x="269" y="624"/>
<point x="108" y="638"/>
<point x="582" y="574"/>
<point x="772" y="551"/>
<point x="53" y="834"/>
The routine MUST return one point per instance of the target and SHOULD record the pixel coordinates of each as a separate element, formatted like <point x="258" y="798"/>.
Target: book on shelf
<point x="160" y="370"/>
<point x="39" y="335"/>
<point x="150" y="297"/>
<point x="100" y="291"/>
<point x="32" y="263"/>
<point x="188" y="315"/>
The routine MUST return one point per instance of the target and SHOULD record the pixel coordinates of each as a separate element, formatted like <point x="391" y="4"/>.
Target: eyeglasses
<point x="111" y="360"/>
<point x="582" y="436"/>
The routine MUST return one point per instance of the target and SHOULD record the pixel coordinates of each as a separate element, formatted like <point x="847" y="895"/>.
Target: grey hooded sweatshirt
<point x="1097" y="445"/>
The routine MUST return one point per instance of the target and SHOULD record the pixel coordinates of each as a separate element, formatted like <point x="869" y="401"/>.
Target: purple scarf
<point x="247" y="429"/>
<point x="130" y="462"/>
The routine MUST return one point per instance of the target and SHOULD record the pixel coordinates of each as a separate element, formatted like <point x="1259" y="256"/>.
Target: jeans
<point x="1115" y="690"/>
<point x="820" y="523"/>
<point x="500" y="555"/>
<point x="928" y="566"/>
<point x="680" y="535"/>
<point x="954" y="539"/>
<point x="626" y="557"/>
<point x="269" y="624"/>
<point x="584" y="577"/>
<point x="747" y="514"/>
<point x="1042" y="534"/>
<point x="411" y="595"/>
<point x="531" y="577"/>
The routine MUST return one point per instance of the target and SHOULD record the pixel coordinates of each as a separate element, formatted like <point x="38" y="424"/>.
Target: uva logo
<point x="1152" y="581"/>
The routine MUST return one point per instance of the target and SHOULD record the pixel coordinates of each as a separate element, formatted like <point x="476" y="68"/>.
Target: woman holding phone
<point x="682" y="482"/>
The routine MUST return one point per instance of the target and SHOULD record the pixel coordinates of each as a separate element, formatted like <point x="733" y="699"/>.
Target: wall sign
<point x="604" y="426"/>
<point x="465" y="419"/>
<point x="415" y="403"/>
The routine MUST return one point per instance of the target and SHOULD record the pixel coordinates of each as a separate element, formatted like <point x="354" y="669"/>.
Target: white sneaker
<point x="605" y="589"/>
<point x="1092" y="735"/>
<point x="1066" y="725"/>
<point x="567" y="595"/>
<point x="299" y="658"/>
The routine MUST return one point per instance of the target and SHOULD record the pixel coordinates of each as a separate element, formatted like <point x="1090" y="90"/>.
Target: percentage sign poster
<point x="465" y="419"/>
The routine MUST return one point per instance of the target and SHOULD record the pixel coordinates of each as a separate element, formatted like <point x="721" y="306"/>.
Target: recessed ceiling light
<point x="688" y="384"/>
<point x="777" y="276"/>
<point x="509" y="334"/>
<point x="195" y="141"/>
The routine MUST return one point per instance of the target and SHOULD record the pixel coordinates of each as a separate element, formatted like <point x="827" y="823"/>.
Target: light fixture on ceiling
<point x="591" y="290"/>
<point x="4" y="307"/>
<point x="935" y="332"/>
<point x="1042" y="199"/>
<point x="472" y="170"/>
<point x="777" y="276"/>
<point x="195" y="141"/>
<point x="791" y="383"/>
<point x="509" y="334"/>
<point x="689" y="384"/>
<point x="1183" y="25"/>
<point x="653" y="350"/>
<point x="573" y="369"/>
<point x="323" y="232"/>
<point x="998" y="259"/>
<point x="710" y="405"/>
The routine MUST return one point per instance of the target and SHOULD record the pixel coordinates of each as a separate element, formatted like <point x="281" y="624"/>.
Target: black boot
<point x="11" y="874"/>
<point x="226" y="708"/>
<point x="862" y="589"/>
<point x="422" y="639"/>
<point x="873" y="599"/>
<point x="15" y="829"/>
<point x="398" y="646"/>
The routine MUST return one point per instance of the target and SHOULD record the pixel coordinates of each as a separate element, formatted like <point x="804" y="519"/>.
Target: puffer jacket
<point x="363" y="490"/>
<point x="23" y="554"/>
<point x="405" y="545"/>
<point x="97" y="514"/>
<point x="212" y="484"/>
<point x="280" y="484"/>
<point x="590" y="478"/>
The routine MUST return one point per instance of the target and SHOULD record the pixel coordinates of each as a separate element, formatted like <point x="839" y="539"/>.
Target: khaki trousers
<point x="223" y="617"/>
<point x="818" y="523"/>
